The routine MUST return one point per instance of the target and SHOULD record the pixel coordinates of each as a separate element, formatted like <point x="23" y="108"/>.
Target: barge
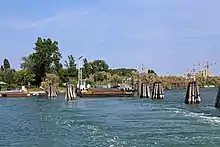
<point x="104" y="92"/>
<point x="14" y="94"/>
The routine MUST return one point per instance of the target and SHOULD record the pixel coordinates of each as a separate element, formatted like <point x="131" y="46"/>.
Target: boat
<point x="14" y="94"/>
<point x="104" y="92"/>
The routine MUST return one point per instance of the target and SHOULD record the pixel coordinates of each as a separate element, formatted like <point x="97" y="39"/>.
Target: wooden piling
<point x="139" y="88"/>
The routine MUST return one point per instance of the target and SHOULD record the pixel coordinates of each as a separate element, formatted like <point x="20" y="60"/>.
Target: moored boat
<point x="104" y="92"/>
<point x="14" y="94"/>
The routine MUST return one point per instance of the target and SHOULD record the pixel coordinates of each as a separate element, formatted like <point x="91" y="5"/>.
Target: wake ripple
<point x="202" y="117"/>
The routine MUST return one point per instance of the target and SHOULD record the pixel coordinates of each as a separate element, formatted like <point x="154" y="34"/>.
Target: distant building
<point x="204" y="73"/>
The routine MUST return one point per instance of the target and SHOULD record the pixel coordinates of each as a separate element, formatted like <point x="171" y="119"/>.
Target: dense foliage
<point x="45" y="64"/>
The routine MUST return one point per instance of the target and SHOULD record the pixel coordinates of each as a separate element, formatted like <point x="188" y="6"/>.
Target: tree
<point x="23" y="76"/>
<point x="122" y="71"/>
<point x="70" y="73"/>
<point x="8" y="75"/>
<point x="150" y="71"/>
<point x="87" y="69"/>
<point x="27" y="63"/>
<point x="116" y="79"/>
<point x="2" y="75"/>
<point x="6" y="64"/>
<point x="99" y="65"/>
<point x="46" y="58"/>
<point x="50" y="78"/>
<point x="2" y="68"/>
<point x="71" y="62"/>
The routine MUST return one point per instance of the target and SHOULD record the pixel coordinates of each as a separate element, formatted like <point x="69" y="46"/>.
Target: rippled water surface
<point x="110" y="122"/>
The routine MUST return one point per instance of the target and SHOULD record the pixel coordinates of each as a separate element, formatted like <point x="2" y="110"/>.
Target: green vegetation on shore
<point x="45" y="64"/>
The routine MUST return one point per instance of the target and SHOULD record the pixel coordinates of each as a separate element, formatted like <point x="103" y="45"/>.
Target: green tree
<point x="50" y="78"/>
<point x="99" y="76"/>
<point x="71" y="62"/>
<point x="87" y="68"/>
<point x="2" y="68"/>
<point x="122" y="71"/>
<point x="99" y="65"/>
<point x="2" y="75"/>
<point x="46" y="58"/>
<point x="70" y="72"/>
<point x="116" y="79"/>
<point x="27" y="63"/>
<point x="6" y="64"/>
<point x="150" y="71"/>
<point x="23" y="76"/>
<point x="8" y="75"/>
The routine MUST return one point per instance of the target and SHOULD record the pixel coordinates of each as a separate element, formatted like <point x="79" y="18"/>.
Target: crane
<point x="191" y="73"/>
<point x="207" y="65"/>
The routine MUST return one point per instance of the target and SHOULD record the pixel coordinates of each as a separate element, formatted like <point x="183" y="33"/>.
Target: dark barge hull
<point x="103" y="95"/>
<point x="14" y="95"/>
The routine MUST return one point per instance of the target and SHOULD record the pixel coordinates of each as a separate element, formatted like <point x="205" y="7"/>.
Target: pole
<point x="79" y="72"/>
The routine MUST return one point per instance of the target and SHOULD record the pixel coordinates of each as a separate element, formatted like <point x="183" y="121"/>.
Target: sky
<point x="168" y="36"/>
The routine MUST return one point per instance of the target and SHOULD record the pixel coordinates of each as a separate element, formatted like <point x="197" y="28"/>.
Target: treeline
<point x="46" y="60"/>
<point x="45" y="63"/>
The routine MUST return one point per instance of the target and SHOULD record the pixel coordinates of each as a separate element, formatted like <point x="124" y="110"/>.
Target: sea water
<point x="110" y="122"/>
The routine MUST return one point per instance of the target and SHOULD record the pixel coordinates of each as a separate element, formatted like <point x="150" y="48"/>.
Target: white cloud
<point x="61" y="18"/>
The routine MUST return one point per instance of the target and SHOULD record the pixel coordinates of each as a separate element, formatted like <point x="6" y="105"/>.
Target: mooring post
<point x="142" y="90"/>
<point x="145" y="91"/>
<point x="192" y="93"/>
<point x="70" y="92"/>
<point x="157" y="92"/>
<point x="50" y="90"/>
<point x="148" y="91"/>
<point x="161" y="91"/>
<point x="139" y="88"/>
<point x="217" y="101"/>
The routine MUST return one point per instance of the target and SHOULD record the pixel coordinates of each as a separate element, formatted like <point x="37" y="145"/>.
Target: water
<point x="112" y="122"/>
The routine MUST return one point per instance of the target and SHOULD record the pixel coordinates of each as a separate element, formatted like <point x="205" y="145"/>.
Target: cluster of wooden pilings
<point x="144" y="90"/>
<point x="51" y="91"/>
<point x="157" y="92"/>
<point x="70" y="92"/>
<point x="192" y="93"/>
<point x="217" y="101"/>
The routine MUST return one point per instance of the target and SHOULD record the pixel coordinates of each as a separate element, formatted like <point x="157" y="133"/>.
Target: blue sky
<point x="168" y="36"/>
